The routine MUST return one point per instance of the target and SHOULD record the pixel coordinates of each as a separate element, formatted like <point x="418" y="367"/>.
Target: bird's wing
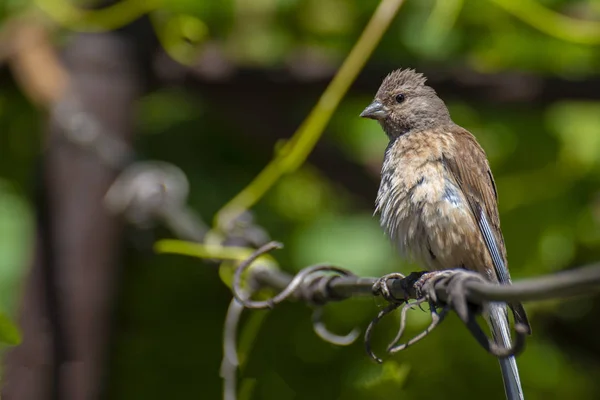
<point x="469" y="167"/>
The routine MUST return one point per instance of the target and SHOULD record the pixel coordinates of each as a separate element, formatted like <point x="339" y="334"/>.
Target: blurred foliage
<point x="15" y="231"/>
<point x="172" y="308"/>
<point x="292" y="153"/>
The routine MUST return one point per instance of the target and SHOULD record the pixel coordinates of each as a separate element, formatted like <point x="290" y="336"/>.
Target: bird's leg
<point x="408" y="284"/>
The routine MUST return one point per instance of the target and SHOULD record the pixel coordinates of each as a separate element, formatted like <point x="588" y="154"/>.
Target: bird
<point x="437" y="198"/>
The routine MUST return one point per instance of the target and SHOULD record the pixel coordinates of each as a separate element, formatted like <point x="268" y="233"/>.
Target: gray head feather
<point x="404" y="103"/>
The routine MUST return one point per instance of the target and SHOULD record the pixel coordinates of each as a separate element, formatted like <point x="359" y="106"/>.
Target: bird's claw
<point x="457" y="295"/>
<point x="382" y="287"/>
<point x="426" y="283"/>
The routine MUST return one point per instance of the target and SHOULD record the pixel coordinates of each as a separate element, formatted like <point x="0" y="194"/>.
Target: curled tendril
<point x="491" y="346"/>
<point x="237" y="278"/>
<point x="230" y="362"/>
<point x="315" y="289"/>
<point x="436" y="319"/>
<point x="369" y="331"/>
<point x="455" y="282"/>
<point x="297" y="282"/>
<point x="393" y="347"/>
<point x="403" y="313"/>
<point x="427" y="286"/>
<point x="328" y="336"/>
<point x="516" y="347"/>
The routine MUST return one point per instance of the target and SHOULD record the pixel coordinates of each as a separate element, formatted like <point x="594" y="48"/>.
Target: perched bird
<point x="437" y="198"/>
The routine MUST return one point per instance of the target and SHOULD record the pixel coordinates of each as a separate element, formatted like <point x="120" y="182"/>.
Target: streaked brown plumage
<point x="437" y="198"/>
<point x="419" y="201"/>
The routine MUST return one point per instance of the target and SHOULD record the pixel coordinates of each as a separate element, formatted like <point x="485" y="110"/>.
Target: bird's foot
<point x="382" y="287"/>
<point x="457" y="294"/>
<point x="424" y="286"/>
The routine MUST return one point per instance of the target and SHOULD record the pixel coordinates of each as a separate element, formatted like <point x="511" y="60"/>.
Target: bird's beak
<point x="375" y="110"/>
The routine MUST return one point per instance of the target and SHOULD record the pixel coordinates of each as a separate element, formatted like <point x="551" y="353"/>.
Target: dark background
<point x="212" y="87"/>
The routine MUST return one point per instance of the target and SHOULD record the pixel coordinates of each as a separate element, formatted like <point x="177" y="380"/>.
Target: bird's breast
<point x="423" y="211"/>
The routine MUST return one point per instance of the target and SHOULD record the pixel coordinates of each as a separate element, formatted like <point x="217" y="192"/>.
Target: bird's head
<point x="404" y="103"/>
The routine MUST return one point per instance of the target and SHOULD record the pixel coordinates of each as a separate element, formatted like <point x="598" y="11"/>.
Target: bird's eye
<point x="399" y="98"/>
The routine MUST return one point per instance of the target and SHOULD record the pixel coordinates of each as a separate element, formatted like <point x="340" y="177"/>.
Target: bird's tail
<point x="500" y="327"/>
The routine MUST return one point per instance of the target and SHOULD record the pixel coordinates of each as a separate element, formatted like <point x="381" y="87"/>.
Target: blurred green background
<point x="521" y="75"/>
